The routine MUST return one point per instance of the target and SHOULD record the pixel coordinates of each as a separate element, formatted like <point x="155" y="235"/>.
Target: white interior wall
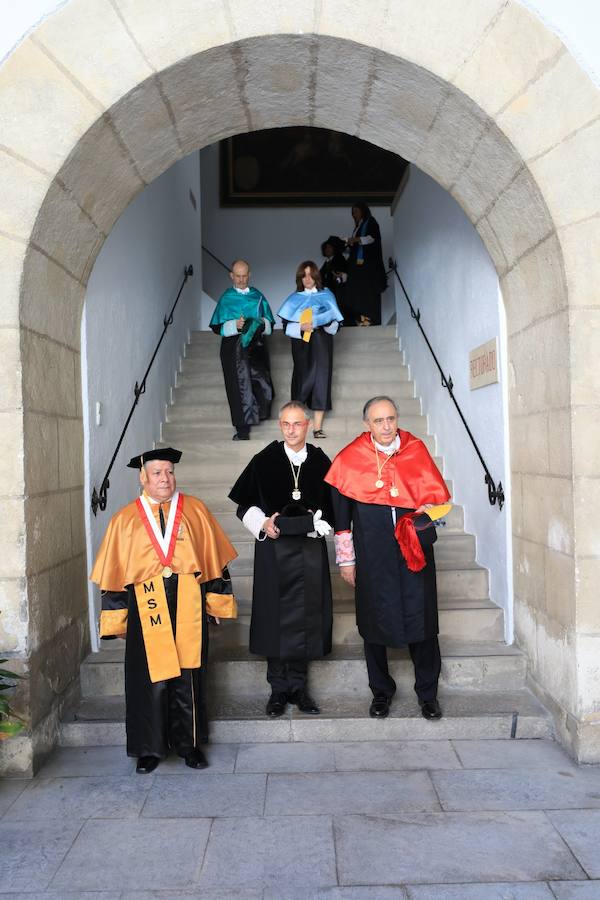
<point x="133" y="285"/>
<point x="273" y="240"/>
<point x="450" y="277"/>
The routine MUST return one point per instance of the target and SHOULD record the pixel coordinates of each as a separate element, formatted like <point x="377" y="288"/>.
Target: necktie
<point x="162" y="518"/>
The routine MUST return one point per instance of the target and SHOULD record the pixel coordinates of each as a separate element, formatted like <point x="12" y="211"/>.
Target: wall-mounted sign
<point x="483" y="365"/>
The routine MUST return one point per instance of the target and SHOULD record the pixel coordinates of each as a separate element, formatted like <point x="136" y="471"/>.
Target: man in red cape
<point x="383" y="482"/>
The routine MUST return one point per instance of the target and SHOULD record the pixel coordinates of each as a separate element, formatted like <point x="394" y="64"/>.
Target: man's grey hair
<point x="236" y="261"/>
<point x="294" y="404"/>
<point x="373" y="400"/>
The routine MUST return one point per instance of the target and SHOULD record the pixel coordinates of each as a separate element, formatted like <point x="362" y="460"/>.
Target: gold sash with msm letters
<point x="168" y="655"/>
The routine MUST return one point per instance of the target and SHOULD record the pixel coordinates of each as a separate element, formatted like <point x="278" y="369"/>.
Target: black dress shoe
<point x="304" y="702"/>
<point x="430" y="709"/>
<point x="240" y="437"/>
<point x="380" y="706"/>
<point x="196" y="759"/>
<point x="276" y="705"/>
<point x="146" y="764"/>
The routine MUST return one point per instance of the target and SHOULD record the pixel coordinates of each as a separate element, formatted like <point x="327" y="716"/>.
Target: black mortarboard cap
<point x="167" y="453"/>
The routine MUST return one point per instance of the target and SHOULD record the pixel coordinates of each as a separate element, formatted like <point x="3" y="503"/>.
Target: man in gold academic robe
<point x="162" y="570"/>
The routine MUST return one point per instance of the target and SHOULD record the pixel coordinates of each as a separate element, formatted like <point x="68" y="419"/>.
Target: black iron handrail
<point x="216" y="258"/>
<point x="99" y="497"/>
<point x="495" y="494"/>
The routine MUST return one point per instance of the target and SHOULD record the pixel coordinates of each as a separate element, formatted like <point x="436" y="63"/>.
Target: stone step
<point x="235" y="672"/>
<point x="374" y="332"/>
<point x="205" y="408"/>
<point x="378" y="357"/>
<point x="375" y="380"/>
<point x="239" y="453"/>
<point x="193" y="383"/>
<point x="456" y="550"/>
<point x="462" y="620"/>
<point x="452" y="584"/>
<point x="468" y="715"/>
<point x="346" y="337"/>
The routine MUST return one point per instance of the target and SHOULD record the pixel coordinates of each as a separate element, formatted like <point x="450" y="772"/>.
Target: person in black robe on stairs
<point x="284" y="502"/>
<point x="366" y="271"/>
<point x="162" y="570"/>
<point x="243" y="318"/>
<point x="384" y="488"/>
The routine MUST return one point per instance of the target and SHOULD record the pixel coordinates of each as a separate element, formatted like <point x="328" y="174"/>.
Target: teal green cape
<point x="253" y="306"/>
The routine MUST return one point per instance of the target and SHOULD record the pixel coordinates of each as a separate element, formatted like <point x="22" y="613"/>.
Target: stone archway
<point x="102" y="98"/>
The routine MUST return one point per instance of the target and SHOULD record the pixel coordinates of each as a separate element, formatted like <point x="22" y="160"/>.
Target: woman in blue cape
<point x="313" y="358"/>
<point x="242" y="318"/>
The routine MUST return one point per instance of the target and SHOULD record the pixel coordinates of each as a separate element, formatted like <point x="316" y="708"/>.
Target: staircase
<point x="482" y="686"/>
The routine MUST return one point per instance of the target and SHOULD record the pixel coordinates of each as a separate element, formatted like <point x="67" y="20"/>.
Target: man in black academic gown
<point x="384" y="484"/>
<point x="162" y="570"/>
<point x="243" y="318"/>
<point x="284" y="502"/>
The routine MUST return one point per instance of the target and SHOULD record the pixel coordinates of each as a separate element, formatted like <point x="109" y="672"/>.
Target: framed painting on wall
<point x="304" y="166"/>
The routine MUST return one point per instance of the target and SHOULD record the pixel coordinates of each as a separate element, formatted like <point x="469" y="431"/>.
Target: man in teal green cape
<point x="243" y="318"/>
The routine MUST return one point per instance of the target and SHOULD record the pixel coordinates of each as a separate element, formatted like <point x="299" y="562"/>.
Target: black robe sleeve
<point x="342" y="510"/>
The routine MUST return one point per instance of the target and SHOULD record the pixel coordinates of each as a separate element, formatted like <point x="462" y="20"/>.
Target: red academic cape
<point x="411" y="469"/>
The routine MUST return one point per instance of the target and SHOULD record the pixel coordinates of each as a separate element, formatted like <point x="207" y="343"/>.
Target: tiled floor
<point x="416" y="820"/>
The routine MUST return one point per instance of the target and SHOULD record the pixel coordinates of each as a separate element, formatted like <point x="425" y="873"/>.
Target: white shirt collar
<point x="243" y="290"/>
<point x="391" y="448"/>
<point x="296" y="458"/>
<point x="312" y="290"/>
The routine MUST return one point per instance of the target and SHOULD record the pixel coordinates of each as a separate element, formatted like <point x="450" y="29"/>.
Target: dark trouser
<point x="286" y="676"/>
<point x="426" y="660"/>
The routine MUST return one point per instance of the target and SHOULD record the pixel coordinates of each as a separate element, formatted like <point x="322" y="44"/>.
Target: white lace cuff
<point x="344" y="548"/>
<point x="254" y="520"/>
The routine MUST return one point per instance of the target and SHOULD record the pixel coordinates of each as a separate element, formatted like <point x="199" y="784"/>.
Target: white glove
<point x="322" y="527"/>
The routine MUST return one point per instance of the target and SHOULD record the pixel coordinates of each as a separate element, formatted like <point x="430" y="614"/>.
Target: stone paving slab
<point x="490" y="789"/>
<point x="81" y="798"/>
<point x="576" y="890"/>
<point x="33" y="851"/>
<point x="60" y="895"/>
<point x="142" y="854"/>
<point x="196" y="894"/>
<point x="10" y="790"/>
<point x="450" y="848"/>
<point x="519" y="754"/>
<point x="362" y="892"/>
<point x="221" y="759"/>
<point x="349" y="792"/>
<point x="285" y="758"/>
<point x="295" y="851"/>
<point x="505" y="891"/>
<point x="67" y="762"/>
<point x="581" y="830"/>
<point x="203" y="794"/>
<point x="380" y="756"/>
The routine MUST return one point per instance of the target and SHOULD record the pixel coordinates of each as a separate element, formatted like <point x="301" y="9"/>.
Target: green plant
<point x="10" y="722"/>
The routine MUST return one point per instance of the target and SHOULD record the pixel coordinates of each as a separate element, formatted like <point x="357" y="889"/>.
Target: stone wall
<point x="104" y="96"/>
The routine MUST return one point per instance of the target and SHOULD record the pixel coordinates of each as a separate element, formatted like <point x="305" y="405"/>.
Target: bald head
<point x="240" y="274"/>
